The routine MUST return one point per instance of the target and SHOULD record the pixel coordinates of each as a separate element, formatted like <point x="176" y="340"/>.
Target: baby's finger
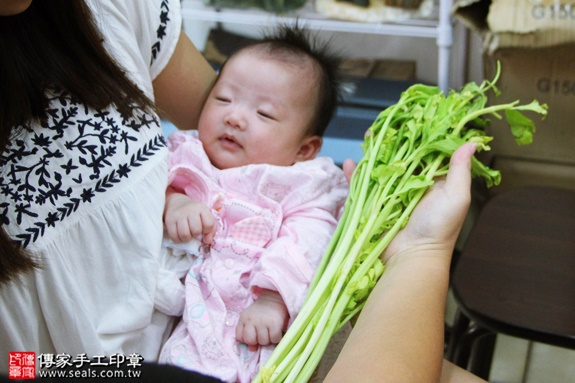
<point x="195" y="227"/>
<point x="184" y="234"/>
<point x="208" y="221"/>
<point x="263" y="336"/>
<point x="208" y="227"/>
<point x="240" y="333"/>
<point x="249" y="335"/>
<point x="172" y="231"/>
<point x="275" y="335"/>
<point x="208" y="238"/>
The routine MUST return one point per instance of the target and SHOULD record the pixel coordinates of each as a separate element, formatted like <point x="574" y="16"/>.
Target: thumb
<point x="349" y="166"/>
<point x="459" y="174"/>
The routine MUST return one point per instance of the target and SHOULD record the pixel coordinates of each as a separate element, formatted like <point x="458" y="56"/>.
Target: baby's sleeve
<point x="311" y="214"/>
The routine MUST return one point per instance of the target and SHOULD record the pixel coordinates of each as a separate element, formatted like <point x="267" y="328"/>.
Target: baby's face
<point x="258" y="112"/>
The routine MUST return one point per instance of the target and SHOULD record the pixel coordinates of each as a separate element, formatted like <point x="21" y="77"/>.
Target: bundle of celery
<point x="408" y="145"/>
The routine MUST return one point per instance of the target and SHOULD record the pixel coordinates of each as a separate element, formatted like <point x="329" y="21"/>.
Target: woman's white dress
<point x="86" y="194"/>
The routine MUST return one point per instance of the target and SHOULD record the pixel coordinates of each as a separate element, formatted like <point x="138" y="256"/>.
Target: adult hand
<point x="436" y="221"/>
<point x="348" y="168"/>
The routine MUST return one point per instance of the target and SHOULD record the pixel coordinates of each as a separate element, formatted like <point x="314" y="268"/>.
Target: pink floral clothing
<point x="274" y="224"/>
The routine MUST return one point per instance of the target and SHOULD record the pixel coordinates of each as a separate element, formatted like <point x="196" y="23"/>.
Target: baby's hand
<point x="185" y="219"/>
<point x="263" y="322"/>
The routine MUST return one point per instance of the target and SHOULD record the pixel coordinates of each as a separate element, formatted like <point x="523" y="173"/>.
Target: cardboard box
<point x="544" y="74"/>
<point x="547" y="75"/>
<point x="518" y="172"/>
<point x="519" y="23"/>
<point x="534" y="41"/>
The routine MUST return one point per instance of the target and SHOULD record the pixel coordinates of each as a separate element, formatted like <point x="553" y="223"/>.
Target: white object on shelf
<point x="440" y="28"/>
<point x="376" y="12"/>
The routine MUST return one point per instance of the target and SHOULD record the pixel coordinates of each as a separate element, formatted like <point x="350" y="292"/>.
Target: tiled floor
<point x="519" y="361"/>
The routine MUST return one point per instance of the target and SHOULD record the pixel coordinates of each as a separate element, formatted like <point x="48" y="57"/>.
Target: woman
<point x="83" y="171"/>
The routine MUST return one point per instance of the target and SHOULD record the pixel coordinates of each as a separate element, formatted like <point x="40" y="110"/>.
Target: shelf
<point x="438" y="26"/>
<point x="196" y="9"/>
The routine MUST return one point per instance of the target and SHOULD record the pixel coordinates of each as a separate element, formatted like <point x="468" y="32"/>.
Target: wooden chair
<point x="515" y="275"/>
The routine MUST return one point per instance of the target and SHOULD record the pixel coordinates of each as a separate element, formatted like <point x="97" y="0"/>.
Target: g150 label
<point x="553" y="11"/>
<point x="562" y="87"/>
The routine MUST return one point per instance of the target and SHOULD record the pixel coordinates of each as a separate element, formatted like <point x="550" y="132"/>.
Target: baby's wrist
<point x="270" y="296"/>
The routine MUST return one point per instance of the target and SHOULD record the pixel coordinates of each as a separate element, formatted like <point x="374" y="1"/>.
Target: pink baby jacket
<point x="273" y="226"/>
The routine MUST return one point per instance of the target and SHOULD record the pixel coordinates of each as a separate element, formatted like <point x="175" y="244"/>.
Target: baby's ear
<point x="310" y="146"/>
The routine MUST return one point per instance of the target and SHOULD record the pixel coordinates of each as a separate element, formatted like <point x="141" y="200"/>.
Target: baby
<point x="265" y="207"/>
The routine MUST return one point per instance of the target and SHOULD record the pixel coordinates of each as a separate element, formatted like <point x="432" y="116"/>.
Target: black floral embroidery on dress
<point x="161" y="31"/>
<point x="68" y="161"/>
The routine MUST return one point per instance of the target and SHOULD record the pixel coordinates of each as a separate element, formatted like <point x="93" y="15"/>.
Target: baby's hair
<point x="294" y="44"/>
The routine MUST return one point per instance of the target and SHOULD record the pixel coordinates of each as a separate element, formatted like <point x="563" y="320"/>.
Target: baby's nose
<point x="235" y="119"/>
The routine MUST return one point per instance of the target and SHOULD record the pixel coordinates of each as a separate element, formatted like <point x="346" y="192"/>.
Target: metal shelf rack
<point x="439" y="27"/>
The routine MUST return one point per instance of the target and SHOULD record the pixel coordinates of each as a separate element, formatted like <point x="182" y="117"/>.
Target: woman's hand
<point x="438" y="217"/>
<point x="348" y="168"/>
<point x="436" y="221"/>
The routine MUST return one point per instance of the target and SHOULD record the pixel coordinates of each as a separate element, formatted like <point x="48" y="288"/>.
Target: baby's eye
<point x="266" y="115"/>
<point x="222" y="99"/>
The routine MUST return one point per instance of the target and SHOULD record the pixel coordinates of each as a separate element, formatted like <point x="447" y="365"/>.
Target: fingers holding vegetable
<point x="459" y="174"/>
<point x="438" y="217"/>
<point x="348" y="168"/>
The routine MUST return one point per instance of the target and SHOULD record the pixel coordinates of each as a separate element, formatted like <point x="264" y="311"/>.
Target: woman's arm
<point x="399" y="334"/>
<point x="182" y="87"/>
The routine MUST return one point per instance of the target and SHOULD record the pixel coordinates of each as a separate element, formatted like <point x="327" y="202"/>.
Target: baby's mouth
<point x="229" y="141"/>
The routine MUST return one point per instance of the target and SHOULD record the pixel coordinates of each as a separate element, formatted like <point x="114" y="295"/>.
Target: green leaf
<point x="521" y="126"/>
<point x="384" y="172"/>
<point x="413" y="185"/>
<point x="534" y="106"/>
<point x="492" y="177"/>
